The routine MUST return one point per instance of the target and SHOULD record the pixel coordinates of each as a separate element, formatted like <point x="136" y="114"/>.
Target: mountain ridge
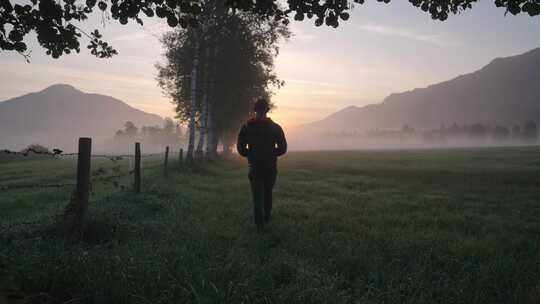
<point x="59" y="114"/>
<point x="502" y="92"/>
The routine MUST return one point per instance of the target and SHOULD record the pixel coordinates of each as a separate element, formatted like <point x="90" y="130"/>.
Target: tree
<point x="36" y="148"/>
<point x="179" y="77"/>
<point x="516" y="132"/>
<point x="178" y="131"/>
<point x="130" y="129"/>
<point x="193" y="93"/>
<point x="478" y="130"/>
<point x="454" y="130"/>
<point x="406" y="129"/>
<point x="530" y="131"/>
<point x="168" y="126"/>
<point x="205" y="104"/>
<point x="54" y="20"/>
<point x="212" y="139"/>
<point x="501" y="133"/>
<point x="249" y="51"/>
<point x="197" y="70"/>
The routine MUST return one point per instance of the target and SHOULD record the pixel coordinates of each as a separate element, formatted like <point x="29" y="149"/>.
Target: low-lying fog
<point x="337" y="143"/>
<point x="296" y="143"/>
<point x="323" y="137"/>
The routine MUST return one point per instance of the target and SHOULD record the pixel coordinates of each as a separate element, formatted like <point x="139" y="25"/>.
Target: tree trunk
<point x="204" y="115"/>
<point x="202" y="130"/>
<point x="211" y="140"/>
<point x="215" y="141"/>
<point x="227" y="142"/>
<point x="209" y="132"/>
<point x="191" y="143"/>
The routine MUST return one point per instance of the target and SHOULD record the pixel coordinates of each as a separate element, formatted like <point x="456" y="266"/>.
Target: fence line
<point x="75" y="211"/>
<point x="59" y="153"/>
<point x="56" y="152"/>
<point x="33" y="186"/>
<point x="96" y="176"/>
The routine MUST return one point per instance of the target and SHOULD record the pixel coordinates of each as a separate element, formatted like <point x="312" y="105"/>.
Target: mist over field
<point x="498" y="105"/>
<point x="397" y="142"/>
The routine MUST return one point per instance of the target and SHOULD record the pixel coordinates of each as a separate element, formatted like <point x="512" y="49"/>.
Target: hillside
<point x="504" y="92"/>
<point x="59" y="114"/>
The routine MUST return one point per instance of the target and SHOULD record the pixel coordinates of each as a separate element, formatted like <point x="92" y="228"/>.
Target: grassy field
<point x="446" y="226"/>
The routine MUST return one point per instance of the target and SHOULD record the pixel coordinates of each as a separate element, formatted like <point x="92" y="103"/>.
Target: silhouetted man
<point x="261" y="140"/>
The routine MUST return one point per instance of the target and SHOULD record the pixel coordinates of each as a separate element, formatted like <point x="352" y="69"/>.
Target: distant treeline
<point x="156" y="136"/>
<point x="525" y="132"/>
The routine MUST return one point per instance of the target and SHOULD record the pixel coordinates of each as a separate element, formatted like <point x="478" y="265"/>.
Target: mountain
<point x="58" y="115"/>
<point x="506" y="91"/>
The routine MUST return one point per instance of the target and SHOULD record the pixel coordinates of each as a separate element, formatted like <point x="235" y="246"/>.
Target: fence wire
<point x="99" y="176"/>
<point x="55" y="152"/>
<point x="60" y="153"/>
<point x="34" y="186"/>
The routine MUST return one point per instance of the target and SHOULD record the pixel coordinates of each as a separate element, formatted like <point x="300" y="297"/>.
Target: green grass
<point x="446" y="226"/>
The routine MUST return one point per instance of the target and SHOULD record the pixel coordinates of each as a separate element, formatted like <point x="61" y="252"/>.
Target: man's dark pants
<point x="262" y="182"/>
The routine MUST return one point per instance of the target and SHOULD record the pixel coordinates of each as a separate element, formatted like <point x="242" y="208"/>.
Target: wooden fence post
<point x="166" y="159"/>
<point x="83" y="179"/>
<point x="137" y="169"/>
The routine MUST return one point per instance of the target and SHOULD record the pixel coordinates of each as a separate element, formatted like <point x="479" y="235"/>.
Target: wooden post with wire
<point x="137" y="169"/>
<point x="82" y="192"/>
<point x="166" y="159"/>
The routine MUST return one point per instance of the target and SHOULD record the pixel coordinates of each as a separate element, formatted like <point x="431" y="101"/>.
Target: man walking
<point x="262" y="141"/>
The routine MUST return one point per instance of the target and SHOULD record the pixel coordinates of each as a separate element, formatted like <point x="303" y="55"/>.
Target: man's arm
<point x="241" y="143"/>
<point x="281" y="142"/>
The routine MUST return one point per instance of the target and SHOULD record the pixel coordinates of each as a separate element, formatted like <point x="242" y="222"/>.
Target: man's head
<point x="261" y="107"/>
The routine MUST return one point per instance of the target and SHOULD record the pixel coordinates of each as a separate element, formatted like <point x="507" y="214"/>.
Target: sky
<point x="381" y="49"/>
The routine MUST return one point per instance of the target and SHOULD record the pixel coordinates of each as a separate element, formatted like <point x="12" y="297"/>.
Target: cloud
<point x="403" y="33"/>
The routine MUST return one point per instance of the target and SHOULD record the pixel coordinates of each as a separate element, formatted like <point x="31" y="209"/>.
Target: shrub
<point x="36" y="148"/>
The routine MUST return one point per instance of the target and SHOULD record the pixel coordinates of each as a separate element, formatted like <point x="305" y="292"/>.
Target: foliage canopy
<point x="56" y="22"/>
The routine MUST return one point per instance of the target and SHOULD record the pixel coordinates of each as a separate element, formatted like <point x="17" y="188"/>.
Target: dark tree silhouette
<point x="130" y="129"/>
<point x="501" y="133"/>
<point x="406" y="129"/>
<point x="477" y="130"/>
<point x="530" y="131"/>
<point x="36" y="148"/>
<point x="516" y="132"/>
<point x="197" y="75"/>
<point x="54" y="20"/>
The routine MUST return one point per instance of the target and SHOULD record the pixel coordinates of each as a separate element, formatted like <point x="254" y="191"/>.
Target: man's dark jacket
<point x="261" y="140"/>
